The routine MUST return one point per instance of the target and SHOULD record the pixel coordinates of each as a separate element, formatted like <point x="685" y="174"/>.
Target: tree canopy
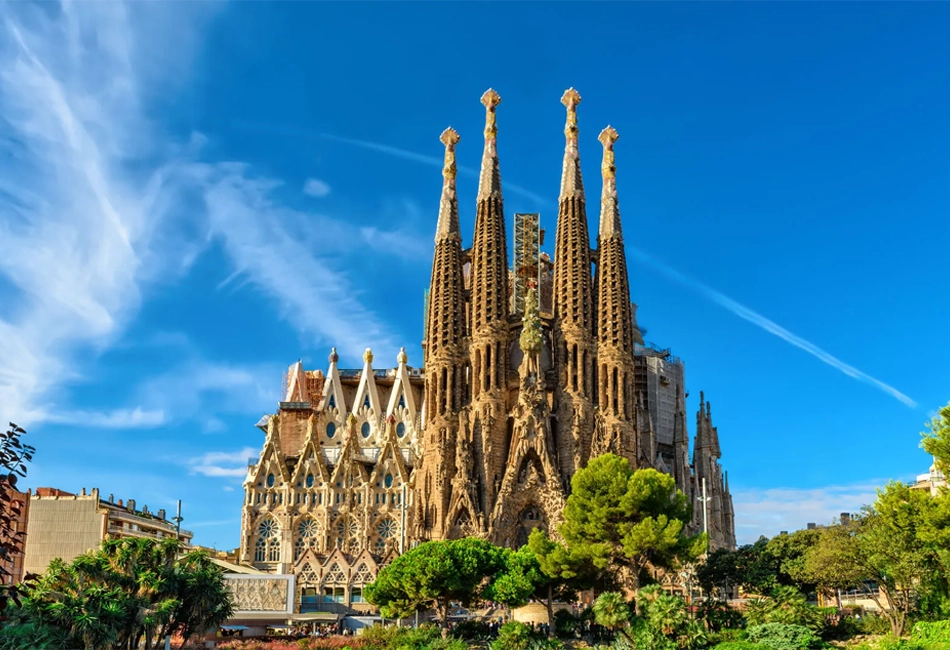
<point x="130" y="591"/>
<point x="628" y="519"/>
<point x="936" y="440"/>
<point x="435" y="574"/>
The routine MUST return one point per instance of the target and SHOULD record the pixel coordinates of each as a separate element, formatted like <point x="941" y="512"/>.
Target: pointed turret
<point x="681" y="445"/>
<point x="488" y="348"/>
<point x="614" y="316"/>
<point x="445" y="353"/>
<point x="573" y="305"/>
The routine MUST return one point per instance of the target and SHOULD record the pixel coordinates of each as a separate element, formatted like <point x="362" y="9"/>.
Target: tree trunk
<point x="444" y="617"/>
<point x="550" y="606"/>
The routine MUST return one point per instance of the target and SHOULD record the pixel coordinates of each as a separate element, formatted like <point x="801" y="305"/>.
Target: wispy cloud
<point x="770" y="511"/>
<point x="772" y="327"/>
<point x="316" y="188"/>
<point x="135" y="418"/>
<point x="395" y="152"/>
<point x="222" y="463"/>
<point x="97" y="202"/>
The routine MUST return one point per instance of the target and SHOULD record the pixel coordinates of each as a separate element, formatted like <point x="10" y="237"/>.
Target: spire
<point x="609" y="206"/>
<point x="572" y="185"/>
<point x="489" y="180"/>
<point x="614" y="313"/>
<point x="448" y="225"/>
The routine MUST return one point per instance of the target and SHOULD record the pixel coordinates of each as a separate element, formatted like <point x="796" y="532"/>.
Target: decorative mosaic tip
<point x="491" y="99"/>
<point x="608" y="136"/>
<point x="391" y="419"/>
<point x="334" y="357"/>
<point x="571" y="98"/>
<point x="368" y="356"/>
<point x="449" y="138"/>
<point x="402" y="358"/>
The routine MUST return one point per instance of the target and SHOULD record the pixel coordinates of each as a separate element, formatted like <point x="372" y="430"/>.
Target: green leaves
<point x="936" y="439"/>
<point x="615" y="514"/>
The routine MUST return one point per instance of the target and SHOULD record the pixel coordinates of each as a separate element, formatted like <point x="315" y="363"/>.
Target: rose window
<point x="387" y="529"/>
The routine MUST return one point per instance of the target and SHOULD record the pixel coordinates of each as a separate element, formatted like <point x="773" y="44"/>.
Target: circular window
<point x="388" y="480"/>
<point x="386" y="529"/>
<point x="365" y="429"/>
<point x="268" y="529"/>
<point x="308" y="528"/>
<point x="270" y="480"/>
<point x="309" y="480"/>
<point x="401" y="429"/>
<point x="331" y="429"/>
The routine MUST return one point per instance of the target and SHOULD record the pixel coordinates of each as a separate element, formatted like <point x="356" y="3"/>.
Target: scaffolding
<point x="527" y="251"/>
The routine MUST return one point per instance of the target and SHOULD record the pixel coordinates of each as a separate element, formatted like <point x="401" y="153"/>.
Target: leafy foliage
<point x="788" y="606"/>
<point x="14" y="455"/>
<point x="936" y="439"/>
<point x="131" y="590"/>
<point x="627" y="519"/>
<point x="434" y="574"/>
<point x="781" y="636"/>
<point x="717" y="615"/>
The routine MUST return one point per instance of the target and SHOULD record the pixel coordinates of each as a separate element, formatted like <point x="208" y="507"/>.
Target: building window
<point x="309" y="480"/>
<point x="366" y="401"/>
<point x="388" y="480"/>
<point x="332" y="402"/>
<point x="402" y="401"/>
<point x="401" y="429"/>
<point x="356" y="595"/>
<point x="309" y="600"/>
<point x="267" y="548"/>
<point x="387" y="528"/>
<point x="308" y="532"/>
<point x="365" y="430"/>
<point x="331" y="429"/>
<point x="270" y="480"/>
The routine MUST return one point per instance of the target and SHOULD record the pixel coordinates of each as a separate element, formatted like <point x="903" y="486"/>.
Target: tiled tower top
<point x="448" y="225"/>
<point x="571" y="182"/>
<point x="489" y="181"/>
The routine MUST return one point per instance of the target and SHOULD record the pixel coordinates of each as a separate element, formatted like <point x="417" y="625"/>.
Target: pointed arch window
<point x="267" y="546"/>
<point x="366" y="401"/>
<point x="332" y="402"/>
<point x="348" y="534"/>
<point x="402" y="401"/>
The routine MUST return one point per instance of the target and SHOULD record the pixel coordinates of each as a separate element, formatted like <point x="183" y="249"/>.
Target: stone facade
<point x="357" y="465"/>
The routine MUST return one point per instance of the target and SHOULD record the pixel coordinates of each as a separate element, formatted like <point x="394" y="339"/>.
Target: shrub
<point x="565" y="623"/>
<point x="931" y="633"/>
<point x="873" y="624"/>
<point x="739" y="645"/>
<point x="513" y="636"/>
<point x="718" y="615"/>
<point x="891" y="642"/>
<point x="782" y="636"/>
<point x="393" y="637"/>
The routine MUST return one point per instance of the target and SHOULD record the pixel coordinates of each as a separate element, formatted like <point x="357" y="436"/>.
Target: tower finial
<point x="609" y="206"/>
<point x="448" y="224"/>
<point x="572" y="185"/>
<point x="571" y="98"/>
<point x="489" y="180"/>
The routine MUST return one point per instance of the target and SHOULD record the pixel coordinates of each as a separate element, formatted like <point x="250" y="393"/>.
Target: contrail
<point x="759" y="320"/>
<point x="426" y="160"/>
<point x="378" y="147"/>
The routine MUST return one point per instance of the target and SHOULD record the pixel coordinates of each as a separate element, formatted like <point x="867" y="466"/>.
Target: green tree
<point x="936" y="439"/>
<point x="128" y="592"/>
<point x="627" y="519"/>
<point x="892" y="544"/>
<point x="790" y="552"/>
<point x="435" y="574"/>
<point x="563" y="574"/>
<point x="14" y="455"/>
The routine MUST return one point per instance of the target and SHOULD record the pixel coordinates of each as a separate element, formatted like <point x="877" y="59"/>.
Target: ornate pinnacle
<point x="609" y="210"/>
<point x="571" y="98"/>
<point x="448" y="224"/>
<point x="402" y="358"/>
<point x="489" y="179"/>
<point x="334" y="357"/>
<point x="368" y="356"/>
<point x="490" y="100"/>
<point x="449" y="138"/>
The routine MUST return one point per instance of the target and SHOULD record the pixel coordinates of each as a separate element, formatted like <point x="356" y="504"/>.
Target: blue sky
<point x="194" y="196"/>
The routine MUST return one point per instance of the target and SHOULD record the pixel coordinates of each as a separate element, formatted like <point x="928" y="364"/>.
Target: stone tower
<point x="488" y="348"/>
<point x="445" y="357"/>
<point x="574" y="346"/>
<point x="616" y="432"/>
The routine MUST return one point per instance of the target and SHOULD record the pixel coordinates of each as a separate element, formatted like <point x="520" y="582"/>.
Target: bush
<point x="393" y="637"/>
<point x="739" y="645"/>
<point x="931" y="633"/>
<point x="471" y="630"/>
<point x="719" y="615"/>
<point x="873" y="624"/>
<point x="566" y="624"/>
<point x="782" y="636"/>
<point x="513" y="636"/>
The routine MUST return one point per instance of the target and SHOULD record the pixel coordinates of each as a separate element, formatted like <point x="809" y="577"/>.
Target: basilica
<point x="530" y="369"/>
